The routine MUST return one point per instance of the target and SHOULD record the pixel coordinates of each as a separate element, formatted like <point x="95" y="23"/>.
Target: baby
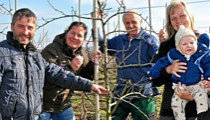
<point x="197" y="57"/>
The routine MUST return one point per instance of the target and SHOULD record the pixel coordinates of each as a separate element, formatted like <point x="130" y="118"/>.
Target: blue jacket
<point x="204" y="38"/>
<point x="198" y="64"/>
<point x="130" y="55"/>
<point x="22" y="74"/>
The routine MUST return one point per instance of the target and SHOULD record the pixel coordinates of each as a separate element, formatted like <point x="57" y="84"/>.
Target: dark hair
<point x="23" y="12"/>
<point x="77" y="24"/>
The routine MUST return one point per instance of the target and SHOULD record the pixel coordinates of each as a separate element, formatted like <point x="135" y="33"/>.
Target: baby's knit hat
<point x="182" y="32"/>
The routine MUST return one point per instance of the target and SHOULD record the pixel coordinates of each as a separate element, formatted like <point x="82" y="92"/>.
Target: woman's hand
<point x="183" y="92"/>
<point x="77" y="62"/>
<point x="206" y="83"/>
<point x="162" y="35"/>
<point x="96" y="54"/>
<point x="176" y="67"/>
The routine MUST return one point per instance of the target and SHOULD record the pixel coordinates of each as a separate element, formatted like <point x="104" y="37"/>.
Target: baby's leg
<point x="178" y="107"/>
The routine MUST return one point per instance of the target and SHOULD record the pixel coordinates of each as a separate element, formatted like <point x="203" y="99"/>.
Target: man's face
<point x="24" y="29"/>
<point x="132" y="24"/>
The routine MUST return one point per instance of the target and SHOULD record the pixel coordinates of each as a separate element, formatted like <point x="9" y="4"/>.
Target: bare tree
<point x="108" y="66"/>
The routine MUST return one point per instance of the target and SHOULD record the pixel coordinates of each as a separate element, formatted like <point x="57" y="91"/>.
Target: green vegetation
<point x="84" y="109"/>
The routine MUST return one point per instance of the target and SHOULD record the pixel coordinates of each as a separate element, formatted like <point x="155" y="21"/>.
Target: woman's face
<point x="179" y="16"/>
<point x="75" y="37"/>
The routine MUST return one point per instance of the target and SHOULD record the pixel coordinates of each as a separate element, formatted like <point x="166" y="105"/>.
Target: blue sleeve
<point x="156" y="69"/>
<point x="204" y="38"/>
<point x="153" y="42"/>
<point x="205" y="64"/>
<point x="57" y="75"/>
<point x="113" y="44"/>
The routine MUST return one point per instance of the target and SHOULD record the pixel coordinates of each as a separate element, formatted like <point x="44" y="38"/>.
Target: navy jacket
<point x="198" y="64"/>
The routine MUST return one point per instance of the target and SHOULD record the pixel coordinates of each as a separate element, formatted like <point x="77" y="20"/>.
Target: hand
<point x="99" y="89"/>
<point x="176" y="67"/>
<point x="77" y="62"/>
<point x="162" y="35"/>
<point x="96" y="54"/>
<point x="183" y="93"/>
<point x="206" y="83"/>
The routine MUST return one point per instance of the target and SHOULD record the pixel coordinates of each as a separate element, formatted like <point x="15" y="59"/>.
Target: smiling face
<point x="24" y="29"/>
<point x="75" y="37"/>
<point x="188" y="45"/>
<point x="179" y="16"/>
<point x="132" y="22"/>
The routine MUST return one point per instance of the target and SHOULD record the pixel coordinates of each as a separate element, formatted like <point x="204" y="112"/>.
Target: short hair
<point x="133" y="11"/>
<point x="23" y="12"/>
<point x="170" y="8"/>
<point x="76" y="23"/>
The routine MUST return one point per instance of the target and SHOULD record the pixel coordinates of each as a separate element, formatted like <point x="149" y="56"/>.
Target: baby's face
<point x="188" y="45"/>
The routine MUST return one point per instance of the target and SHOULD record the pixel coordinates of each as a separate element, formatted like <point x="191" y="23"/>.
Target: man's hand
<point x="99" y="89"/>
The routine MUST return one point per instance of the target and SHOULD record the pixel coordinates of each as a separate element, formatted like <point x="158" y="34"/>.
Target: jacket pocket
<point x="38" y="104"/>
<point x="8" y="100"/>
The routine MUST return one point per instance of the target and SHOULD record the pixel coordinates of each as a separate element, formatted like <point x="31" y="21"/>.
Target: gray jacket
<point x="22" y="74"/>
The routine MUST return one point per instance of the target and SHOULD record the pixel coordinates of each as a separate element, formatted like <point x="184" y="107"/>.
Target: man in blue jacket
<point x="133" y="51"/>
<point x="23" y="71"/>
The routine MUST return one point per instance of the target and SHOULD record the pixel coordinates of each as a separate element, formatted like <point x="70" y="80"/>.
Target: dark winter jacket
<point x="130" y="54"/>
<point x="57" y="99"/>
<point x="22" y="74"/>
<point x="197" y="65"/>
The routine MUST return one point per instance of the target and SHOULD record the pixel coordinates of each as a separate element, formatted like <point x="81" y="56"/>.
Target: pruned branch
<point x="55" y="8"/>
<point x="2" y="31"/>
<point x="4" y="10"/>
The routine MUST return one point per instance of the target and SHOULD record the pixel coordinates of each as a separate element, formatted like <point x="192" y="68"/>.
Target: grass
<point x="84" y="107"/>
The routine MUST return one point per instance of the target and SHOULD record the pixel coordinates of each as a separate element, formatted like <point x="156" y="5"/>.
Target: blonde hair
<point x="171" y="8"/>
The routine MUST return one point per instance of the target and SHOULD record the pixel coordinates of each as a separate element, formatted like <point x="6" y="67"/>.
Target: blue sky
<point x="42" y="8"/>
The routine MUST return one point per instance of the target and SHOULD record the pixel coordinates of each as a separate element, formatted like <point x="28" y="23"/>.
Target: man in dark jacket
<point x="23" y="70"/>
<point x="66" y="51"/>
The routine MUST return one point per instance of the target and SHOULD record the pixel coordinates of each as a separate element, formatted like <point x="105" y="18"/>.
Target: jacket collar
<point x="140" y="34"/>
